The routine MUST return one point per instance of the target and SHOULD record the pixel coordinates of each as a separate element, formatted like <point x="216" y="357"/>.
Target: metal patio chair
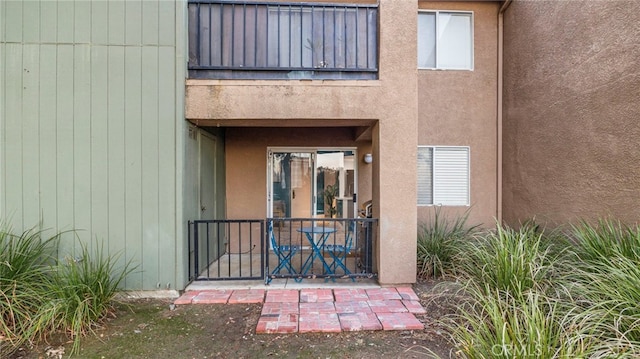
<point x="284" y="253"/>
<point x="339" y="252"/>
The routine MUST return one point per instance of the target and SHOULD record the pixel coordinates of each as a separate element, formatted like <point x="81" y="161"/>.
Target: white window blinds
<point x="443" y="176"/>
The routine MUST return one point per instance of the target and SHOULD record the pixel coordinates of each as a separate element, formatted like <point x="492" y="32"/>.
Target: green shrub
<point x="439" y="241"/>
<point x="497" y="324"/>
<point x="528" y="294"/>
<point x="24" y="286"/>
<point x="85" y="287"/>
<point x="610" y="295"/>
<point x="508" y="260"/>
<point x="39" y="295"/>
<point x="609" y="238"/>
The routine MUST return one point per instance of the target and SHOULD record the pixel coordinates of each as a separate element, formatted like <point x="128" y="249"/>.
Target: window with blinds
<point x="443" y="176"/>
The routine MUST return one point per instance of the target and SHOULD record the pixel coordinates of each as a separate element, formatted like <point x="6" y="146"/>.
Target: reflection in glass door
<point x="291" y="184"/>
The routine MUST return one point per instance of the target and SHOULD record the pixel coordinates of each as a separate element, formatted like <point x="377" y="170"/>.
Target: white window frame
<point x="437" y="16"/>
<point x="438" y="188"/>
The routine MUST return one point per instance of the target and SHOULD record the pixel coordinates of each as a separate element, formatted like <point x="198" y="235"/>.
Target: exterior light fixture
<point x="368" y="158"/>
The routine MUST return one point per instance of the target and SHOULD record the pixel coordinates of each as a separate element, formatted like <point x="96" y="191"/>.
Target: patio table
<point x="316" y="245"/>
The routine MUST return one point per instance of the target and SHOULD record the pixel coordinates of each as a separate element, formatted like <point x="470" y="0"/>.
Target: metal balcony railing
<point x="277" y="40"/>
<point x="245" y="249"/>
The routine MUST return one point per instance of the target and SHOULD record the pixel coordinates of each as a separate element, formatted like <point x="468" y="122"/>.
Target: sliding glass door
<point x="318" y="183"/>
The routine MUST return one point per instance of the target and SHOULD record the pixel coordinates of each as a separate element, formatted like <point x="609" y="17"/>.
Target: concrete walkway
<point x="306" y="310"/>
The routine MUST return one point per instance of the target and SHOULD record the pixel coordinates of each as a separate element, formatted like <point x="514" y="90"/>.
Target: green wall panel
<point x="99" y="22"/>
<point x="82" y="22"/>
<point x="98" y="149"/>
<point x="65" y="25"/>
<point x="48" y="135"/>
<point x="31" y="16"/>
<point x="12" y="21"/>
<point x="48" y="21"/>
<point x="64" y="144"/>
<point x="115" y="149"/>
<point x="133" y="133"/>
<point x="150" y="173"/>
<point x="116" y="22"/>
<point x="150" y="26"/>
<point x="133" y="23"/>
<point x="13" y="136"/>
<point x="92" y="95"/>
<point x="82" y="142"/>
<point x="31" y="130"/>
<point x="167" y="154"/>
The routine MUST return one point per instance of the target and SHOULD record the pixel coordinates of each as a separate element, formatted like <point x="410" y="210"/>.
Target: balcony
<point x="269" y="40"/>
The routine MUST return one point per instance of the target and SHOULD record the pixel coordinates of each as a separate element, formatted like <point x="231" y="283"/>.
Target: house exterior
<point x="126" y="120"/>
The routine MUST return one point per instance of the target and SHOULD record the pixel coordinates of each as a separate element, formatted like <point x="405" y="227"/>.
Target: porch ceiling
<point x="361" y="128"/>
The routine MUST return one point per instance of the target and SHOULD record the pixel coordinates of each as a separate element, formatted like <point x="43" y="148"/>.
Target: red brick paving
<point x="283" y="296"/>
<point x="387" y="306"/>
<point x="359" y="321"/>
<point x="247" y="296"/>
<point x="322" y="310"/>
<point x="319" y="322"/>
<point x="414" y="306"/>
<point x="407" y="293"/>
<point x="315" y="308"/>
<point x="383" y="294"/>
<point x="316" y="295"/>
<point x="350" y="295"/>
<point x="353" y="307"/>
<point x="399" y="321"/>
<point x="212" y="297"/>
<point x="186" y="298"/>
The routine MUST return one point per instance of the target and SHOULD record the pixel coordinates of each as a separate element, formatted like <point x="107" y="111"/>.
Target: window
<point x="445" y="40"/>
<point x="443" y="176"/>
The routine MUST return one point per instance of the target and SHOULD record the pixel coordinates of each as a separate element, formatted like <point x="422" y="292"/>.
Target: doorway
<point x="311" y="183"/>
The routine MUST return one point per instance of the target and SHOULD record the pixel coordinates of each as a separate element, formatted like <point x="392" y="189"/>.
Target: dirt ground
<point x="151" y="329"/>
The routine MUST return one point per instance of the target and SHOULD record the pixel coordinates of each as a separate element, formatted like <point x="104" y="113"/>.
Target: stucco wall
<point x="459" y="108"/>
<point x="571" y="105"/>
<point x="388" y="105"/>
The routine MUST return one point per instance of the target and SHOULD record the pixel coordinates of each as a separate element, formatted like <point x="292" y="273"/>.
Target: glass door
<point x="311" y="183"/>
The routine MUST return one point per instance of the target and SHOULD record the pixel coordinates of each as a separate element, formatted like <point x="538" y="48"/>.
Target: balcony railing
<point x="269" y="40"/>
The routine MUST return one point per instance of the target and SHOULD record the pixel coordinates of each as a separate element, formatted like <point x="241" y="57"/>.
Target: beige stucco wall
<point x="571" y="105"/>
<point x="459" y="108"/>
<point x="388" y="106"/>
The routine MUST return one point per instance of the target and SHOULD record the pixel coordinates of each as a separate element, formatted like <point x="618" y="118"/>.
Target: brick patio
<point x="321" y="310"/>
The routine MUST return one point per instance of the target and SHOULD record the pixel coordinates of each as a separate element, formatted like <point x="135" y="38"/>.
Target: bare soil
<point x="152" y="328"/>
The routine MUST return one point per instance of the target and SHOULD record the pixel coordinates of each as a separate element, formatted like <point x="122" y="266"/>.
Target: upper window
<point x="445" y="40"/>
<point x="443" y="176"/>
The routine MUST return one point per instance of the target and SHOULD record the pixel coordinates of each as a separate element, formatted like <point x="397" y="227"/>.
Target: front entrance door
<point x="311" y="183"/>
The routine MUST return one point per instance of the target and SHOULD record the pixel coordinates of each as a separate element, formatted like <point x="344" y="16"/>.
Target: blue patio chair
<point x="284" y="254"/>
<point x="339" y="252"/>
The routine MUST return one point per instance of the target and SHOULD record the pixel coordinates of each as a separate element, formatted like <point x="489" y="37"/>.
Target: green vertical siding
<point x="92" y="127"/>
